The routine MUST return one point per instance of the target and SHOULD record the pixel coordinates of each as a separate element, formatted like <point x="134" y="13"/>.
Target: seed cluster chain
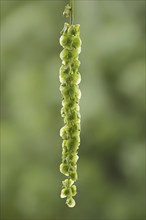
<point x="71" y="94"/>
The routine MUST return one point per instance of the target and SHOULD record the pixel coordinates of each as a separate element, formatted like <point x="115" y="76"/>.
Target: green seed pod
<point x="71" y="117"/>
<point x="69" y="106"/>
<point x="70" y="78"/>
<point x="77" y="78"/>
<point x="76" y="43"/>
<point x="63" y="133"/>
<point x="65" y="69"/>
<point x="74" y="30"/>
<point x="75" y="65"/>
<point x="73" y="190"/>
<point x="66" y="41"/>
<point x="74" y="176"/>
<point x="70" y="202"/>
<point x="73" y="159"/>
<point x="66" y="192"/>
<point x="67" y="55"/>
<point x="62" y="195"/>
<point x="64" y="169"/>
<point x="72" y="145"/>
<point x="67" y="183"/>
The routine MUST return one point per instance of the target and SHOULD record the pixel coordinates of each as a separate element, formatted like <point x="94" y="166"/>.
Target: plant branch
<point x="72" y="12"/>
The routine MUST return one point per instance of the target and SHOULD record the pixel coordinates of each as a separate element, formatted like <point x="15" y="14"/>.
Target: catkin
<point x="70" y="78"/>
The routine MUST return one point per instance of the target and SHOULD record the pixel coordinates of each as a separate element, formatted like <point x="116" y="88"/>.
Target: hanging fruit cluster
<point x="71" y="94"/>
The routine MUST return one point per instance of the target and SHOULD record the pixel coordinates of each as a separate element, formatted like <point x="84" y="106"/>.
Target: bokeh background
<point x="111" y="167"/>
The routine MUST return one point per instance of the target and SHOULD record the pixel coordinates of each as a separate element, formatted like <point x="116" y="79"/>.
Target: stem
<point x="72" y="11"/>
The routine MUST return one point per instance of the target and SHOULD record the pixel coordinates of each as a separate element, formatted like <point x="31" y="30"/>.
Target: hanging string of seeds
<point x="70" y="78"/>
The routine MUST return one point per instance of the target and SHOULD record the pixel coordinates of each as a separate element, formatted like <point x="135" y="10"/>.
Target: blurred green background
<point x="111" y="166"/>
